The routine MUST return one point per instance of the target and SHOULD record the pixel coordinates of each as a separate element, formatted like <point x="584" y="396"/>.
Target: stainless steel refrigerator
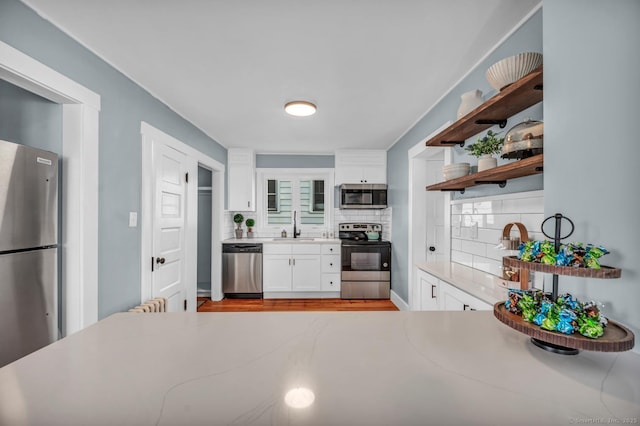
<point x="28" y="250"/>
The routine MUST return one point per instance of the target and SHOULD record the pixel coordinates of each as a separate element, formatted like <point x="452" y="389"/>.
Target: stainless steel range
<point x="366" y="262"/>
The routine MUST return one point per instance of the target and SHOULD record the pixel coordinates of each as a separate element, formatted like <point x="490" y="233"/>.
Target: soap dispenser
<point x="283" y="234"/>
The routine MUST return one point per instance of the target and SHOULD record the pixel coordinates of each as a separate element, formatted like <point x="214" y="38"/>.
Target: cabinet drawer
<point x="331" y="249"/>
<point x="297" y="248"/>
<point x="330" y="282"/>
<point x="276" y="248"/>
<point x="331" y="263"/>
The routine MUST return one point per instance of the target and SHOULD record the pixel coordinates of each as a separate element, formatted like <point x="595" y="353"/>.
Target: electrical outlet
<point x="474" y="230"/>
<point x="133" y="219"/>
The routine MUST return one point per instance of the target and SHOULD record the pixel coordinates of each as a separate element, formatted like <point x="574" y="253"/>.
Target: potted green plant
<point x="484" y="149"/>
<point x="250" y="222"/>
<point x="238" y="218"/>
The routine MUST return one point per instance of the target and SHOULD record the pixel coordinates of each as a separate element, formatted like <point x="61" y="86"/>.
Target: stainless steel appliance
<point x="363" y="196"/>
<point x="28" y="250"/>
<point x="365" y="262"/>
<point x="242" y="270"/>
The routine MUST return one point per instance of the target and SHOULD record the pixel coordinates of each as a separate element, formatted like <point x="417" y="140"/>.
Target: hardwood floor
<point x="274" y="305"/>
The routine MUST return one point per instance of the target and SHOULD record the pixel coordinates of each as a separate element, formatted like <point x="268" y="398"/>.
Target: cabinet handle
<point x="160" y="260"/>
<point x="331" y="249"/>
<point x="249" y="204"/>
<point x="330" y="264"/>
<point x="294" y="262"/>
<point x="289" y="261"/>
<point x="433" y="287"/>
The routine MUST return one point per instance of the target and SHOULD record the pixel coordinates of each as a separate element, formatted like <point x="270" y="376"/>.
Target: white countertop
<point x="365" y="368"/>
<point x="482" y="285"/>
<point x="277" y="240"/>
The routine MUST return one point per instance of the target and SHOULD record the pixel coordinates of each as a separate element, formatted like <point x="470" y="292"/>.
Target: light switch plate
<point x="133" y="219"/>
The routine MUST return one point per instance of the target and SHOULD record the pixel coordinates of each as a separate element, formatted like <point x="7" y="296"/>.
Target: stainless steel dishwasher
<point x="242" y="270"/>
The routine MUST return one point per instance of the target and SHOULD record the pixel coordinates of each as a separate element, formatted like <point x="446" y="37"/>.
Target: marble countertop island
<point x="364" y="368"/>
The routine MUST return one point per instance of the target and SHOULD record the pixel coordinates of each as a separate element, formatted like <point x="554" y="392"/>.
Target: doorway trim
<point x="418" y="231"/>
<point x="195" y="158"/>
<point x="80" y="138"/>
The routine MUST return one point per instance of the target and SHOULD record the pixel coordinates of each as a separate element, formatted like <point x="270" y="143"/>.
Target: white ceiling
<point x="373" y="67"/>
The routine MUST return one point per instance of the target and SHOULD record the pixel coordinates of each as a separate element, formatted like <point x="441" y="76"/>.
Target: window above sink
<point x="281" y="192"/>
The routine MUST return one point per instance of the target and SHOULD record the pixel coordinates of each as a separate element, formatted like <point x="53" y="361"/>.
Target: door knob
<point x="160" y="260"/>
<point x="432" y="248"/>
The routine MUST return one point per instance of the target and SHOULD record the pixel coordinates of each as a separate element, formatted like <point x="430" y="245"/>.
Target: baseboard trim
<point x="397" y="300"/>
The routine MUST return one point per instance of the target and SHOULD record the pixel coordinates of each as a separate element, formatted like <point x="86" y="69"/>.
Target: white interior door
<point x="168" y="277"/>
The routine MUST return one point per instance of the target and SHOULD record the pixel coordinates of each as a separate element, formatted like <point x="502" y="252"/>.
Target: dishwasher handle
<point x="242" y="248"/>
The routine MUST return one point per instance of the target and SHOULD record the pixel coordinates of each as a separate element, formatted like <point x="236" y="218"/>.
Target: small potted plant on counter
<point x="484" y="149"/>
<point x="238" y="218"/>
<point x="250" y="222"/>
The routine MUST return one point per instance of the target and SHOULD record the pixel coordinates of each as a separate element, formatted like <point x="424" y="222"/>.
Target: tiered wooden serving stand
<point x="616" y="337"/>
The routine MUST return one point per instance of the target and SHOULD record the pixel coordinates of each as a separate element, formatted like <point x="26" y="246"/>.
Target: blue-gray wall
<point x="29" y="119"/>
<point x="592" y="106"/>
<point x="294" y="161"/>
<point x="528" y="38"/>
<point x="124" y="106"/>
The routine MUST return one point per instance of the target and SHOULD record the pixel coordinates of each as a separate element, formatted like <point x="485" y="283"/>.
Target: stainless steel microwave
<point x="363" y="196"/>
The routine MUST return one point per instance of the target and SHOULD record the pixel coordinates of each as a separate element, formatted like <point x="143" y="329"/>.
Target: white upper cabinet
<point x="361" y="166"/>
<point x="241" y="179"/>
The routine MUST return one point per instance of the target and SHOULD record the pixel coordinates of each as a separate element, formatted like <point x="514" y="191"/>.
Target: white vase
<point x="469" y="101"/>
<point x="486" y="162"/>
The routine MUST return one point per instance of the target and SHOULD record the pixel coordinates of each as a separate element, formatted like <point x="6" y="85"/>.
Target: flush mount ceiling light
<point x="300" y="108"/>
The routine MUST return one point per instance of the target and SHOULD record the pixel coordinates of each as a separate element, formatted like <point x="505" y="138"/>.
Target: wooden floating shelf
<point x="514" y="98"/>
<point x="616" y="338"/>
<point x="604" y="272"/>
<point x="499" y="175"/>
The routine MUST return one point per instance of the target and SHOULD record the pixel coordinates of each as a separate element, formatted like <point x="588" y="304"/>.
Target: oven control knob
<point x="385" y="264"/>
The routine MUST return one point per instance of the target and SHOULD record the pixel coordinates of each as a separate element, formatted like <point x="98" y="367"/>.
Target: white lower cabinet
<point x="305" y="272"/>
<point x="428" y="287"/>
<point x="300" y="267"/>
<point x="454" y="299"/>
<point x="433" y="294"/>
<point x="330" y="261"/>
<point x="276" y="272"/>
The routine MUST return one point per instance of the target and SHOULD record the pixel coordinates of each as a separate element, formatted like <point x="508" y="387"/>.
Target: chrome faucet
<point x="296" y="234"/>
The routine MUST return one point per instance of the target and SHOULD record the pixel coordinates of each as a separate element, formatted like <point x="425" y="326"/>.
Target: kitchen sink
<point x="293" y="239"/>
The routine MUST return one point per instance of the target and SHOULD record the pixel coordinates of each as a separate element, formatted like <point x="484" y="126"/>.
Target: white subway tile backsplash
<point x="467" y="208"/>
<point x="474" y="247"/>
<point x="477" y="247"/>
<point x="498" y="221"/>
<point x="532" y="221"/>
<point x="489" y="236"/>
<point x="471" y="219"/>
<point x="382" y="216"/>
<point x="529" y="205"/>
<point x="463" y="258"/>
<point x="486" y="207"/>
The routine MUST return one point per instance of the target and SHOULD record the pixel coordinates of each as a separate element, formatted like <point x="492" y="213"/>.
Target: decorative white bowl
<point x="511" y="69"/>
<point x="455" y="170"/>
